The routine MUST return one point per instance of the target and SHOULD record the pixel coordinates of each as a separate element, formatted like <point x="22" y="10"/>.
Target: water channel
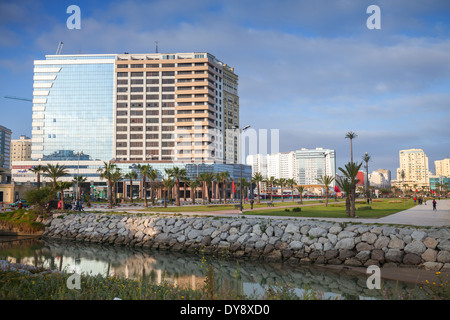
<point x="189" y="270"/>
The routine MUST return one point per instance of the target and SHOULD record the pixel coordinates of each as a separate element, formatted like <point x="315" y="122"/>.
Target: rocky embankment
<point x="290" y="241"/>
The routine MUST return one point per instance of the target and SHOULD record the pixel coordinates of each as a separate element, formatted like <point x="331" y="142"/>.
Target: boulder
<point x="416" y="247"/>
<point x="346" y="243"/>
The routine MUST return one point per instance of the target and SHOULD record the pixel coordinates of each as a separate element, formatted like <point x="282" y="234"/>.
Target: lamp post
<point x="78" y="173"/>
<point x="240" y="163"/>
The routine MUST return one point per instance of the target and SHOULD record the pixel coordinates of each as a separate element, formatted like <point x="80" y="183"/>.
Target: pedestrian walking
<point x="434" y="204"/>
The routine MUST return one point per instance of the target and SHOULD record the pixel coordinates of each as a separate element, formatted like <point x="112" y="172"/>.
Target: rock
<point x="346" y="243"/>
<point x="394" y="255"/>
<point x="419" y="235"/>
<point x="429" y="255"/>
<point x="430" y="242"/>
<point x="296" y="245"/>
<point x="377" y="255"/>
<point x="346" y="234"/>
<point x="411" y="259"/>
<point x="382" y="242"/>
<point x="369" y="237"/>
<point x="332" y="237"/>
<point x="434" y="266"/>
<point x="443" y="256"/>
<point x="291" y="228"/>
<point x="444" y="245"/>
<point x="317" y="232"/>
<point x="417" y="247"/>
<point x="396" y="243"/>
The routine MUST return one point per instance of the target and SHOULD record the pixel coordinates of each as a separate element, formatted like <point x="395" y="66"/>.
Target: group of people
<point x="420" y="200"/>
<point x="77" y="205"/>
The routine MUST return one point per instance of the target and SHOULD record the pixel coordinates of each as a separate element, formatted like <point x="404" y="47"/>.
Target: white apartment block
<point x="442" y="167"/>
<point x="414" y="164"/>
<point x="380" y="178"/>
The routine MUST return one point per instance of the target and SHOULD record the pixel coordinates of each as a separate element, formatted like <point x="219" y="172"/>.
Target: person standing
<point x="434" y="204"/>
<point x="251" y="203"/>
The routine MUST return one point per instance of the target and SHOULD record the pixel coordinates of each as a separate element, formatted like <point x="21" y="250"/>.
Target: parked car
<point x="161" y="201"/>
<point x="16" y="204"/>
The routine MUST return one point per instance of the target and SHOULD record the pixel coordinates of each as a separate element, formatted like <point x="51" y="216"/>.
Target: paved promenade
<point x="420" y="215"/>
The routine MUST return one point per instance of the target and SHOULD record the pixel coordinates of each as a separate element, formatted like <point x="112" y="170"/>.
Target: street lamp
<point x="240" y="162"/>
<point x="78" y="173"/>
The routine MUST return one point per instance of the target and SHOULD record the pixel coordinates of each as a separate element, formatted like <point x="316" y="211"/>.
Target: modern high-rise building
<point x="380" y="178"/>
<point x="305" y="166"/>
<point x="313" y="163"/>
<point x="442" y="167"/>
<point x="414" y="165"/>
<point x="5" y="147"/>
<point x="164" y="109"/>
<point x="21" y="149"/>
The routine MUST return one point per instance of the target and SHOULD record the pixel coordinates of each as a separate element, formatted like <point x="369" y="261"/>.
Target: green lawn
<point x="337" y="210"/>
<point x="220" y="207"/>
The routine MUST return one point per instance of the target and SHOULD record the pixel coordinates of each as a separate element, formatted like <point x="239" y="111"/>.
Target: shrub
<point x="298" y="209"/>
<point x="365" y="208"/>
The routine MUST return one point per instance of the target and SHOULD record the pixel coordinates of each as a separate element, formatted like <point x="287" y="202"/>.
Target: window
<point x="137" y="74"/>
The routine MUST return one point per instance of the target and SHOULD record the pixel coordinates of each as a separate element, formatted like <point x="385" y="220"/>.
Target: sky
<point x="311" y="69"/>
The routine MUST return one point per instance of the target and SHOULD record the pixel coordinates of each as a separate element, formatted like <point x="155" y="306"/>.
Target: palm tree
<point x="38" y="170"/>
<point x="61" y="186"/>
<point x="282" y="183"/>
<point x="351" y="173"/>
<point x="54" y="172"/>
<point x="107" y="173"/>
<point x="258" y="178"/>
<point x="79" y="180"/>
<point x="116" y="177"/>
<point x="145" y="170"/>
<point x="193" y="185"/>
<point x="291" y="183"/>
<point x="351" y="135"/>
<point x="225" y="178"/>
<point x="326" y="182"/>
<point x="271" y="182"/>
<point x="300" y="190"/>
<point x="152" y="176"/>
<point x="345" y="186"/>
<point x="167" y="185"/>
<point x="177" y="174"/>
<point x="132" y="175"/>
<point x="206" y="178"/>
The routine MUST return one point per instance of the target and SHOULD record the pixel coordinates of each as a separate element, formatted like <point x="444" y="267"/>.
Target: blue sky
<point x="311" y="69"/>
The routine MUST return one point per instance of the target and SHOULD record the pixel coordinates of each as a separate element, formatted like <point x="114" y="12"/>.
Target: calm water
<point x="189" y="270"/>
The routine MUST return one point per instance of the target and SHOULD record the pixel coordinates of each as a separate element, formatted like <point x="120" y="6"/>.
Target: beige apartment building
<point x="414" y="164"/>
<point x="175" y="107"/>
<point x="21" y="149"/>
<point x="442" y="167"/>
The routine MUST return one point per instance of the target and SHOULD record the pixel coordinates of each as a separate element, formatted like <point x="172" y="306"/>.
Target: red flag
<point x="336" y="188"/>
<point x="234" y="188"/>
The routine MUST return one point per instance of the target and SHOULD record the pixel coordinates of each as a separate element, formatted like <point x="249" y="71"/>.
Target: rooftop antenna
<point x="157" y="46"/>
<point x="60" y="45"/>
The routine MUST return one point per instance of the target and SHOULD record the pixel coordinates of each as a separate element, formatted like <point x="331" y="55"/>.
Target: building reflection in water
<point x="244" y="277"/>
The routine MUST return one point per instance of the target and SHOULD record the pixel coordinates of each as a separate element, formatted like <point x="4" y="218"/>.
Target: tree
<point x="132" y="175"/>
<point x="206" y="178"/>
<point x="152" y="176"/>
<point x="61" y="186"/>
<point x="167" y="185"/>
<point x="55" y="172"/>
<point x="38" y="170"/>
<point x="351" y="172"/>
<point x="326" y="181"/>
<point x="116" y="177"/>
<point x="145" y="172"/>
<point x="351" y="135"/>
<point x="40" y="197"/>
<point x="107" y="173"/>
<point x="345" y="186"/>
<point x="79" y="180"/>
<point x="282" y="183"/>
<point x="291" y="183"/>
<point x="178" y="174"/>
<point x="225" y="178"/>
<point x="271" y="182"/>
<point x="258" y="178"/>
<point x="300" y="190"/>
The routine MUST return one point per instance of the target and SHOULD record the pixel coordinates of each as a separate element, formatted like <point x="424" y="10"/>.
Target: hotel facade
<point x="179" y="109"/>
